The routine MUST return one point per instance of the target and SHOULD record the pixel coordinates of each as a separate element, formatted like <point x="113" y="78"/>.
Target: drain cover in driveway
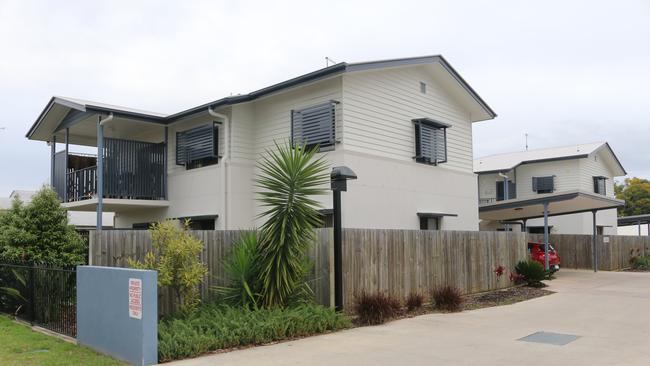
<point x="557" y="339"/>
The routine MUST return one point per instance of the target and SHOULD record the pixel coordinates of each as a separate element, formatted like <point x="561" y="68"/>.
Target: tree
<point x="636" y="193"/>
<point x="289" y="178"/>
<point x="176" y="258"/>
<point x="39" y="232"/>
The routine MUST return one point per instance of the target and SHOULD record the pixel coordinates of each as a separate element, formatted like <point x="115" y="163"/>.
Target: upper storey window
<point x="314" y="126"/>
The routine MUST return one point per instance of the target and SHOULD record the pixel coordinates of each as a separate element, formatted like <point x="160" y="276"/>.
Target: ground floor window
<point x="327" y="218"/>
<point x="202" y="223"/>
<point x="429" y="223"/>
<point x="538" y="229"/>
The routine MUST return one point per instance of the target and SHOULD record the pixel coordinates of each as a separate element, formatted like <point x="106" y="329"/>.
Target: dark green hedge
<point x="215" y="327"/>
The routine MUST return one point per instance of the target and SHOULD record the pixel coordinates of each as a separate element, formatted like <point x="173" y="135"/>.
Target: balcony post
<point x="100" y="172"/>
<point x="165" y="157"/>
<point x="53" y="152"/>
<point x="65" y="166"/>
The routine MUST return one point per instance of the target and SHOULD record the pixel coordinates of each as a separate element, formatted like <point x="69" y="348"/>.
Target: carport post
<point x="546" y="235"/>
<point x="593" y="241"/>
<point x="639" y="226"/>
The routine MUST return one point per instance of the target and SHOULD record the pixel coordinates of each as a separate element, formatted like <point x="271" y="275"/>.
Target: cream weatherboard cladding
<point x="379" y="107"/>
<point x="575" y="173"/>
<point x="375" y="106"/>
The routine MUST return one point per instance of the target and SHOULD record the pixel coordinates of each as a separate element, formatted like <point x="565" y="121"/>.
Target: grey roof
<point x="509" y="161"/>
<point x="633" y="220"/>
<point x="337" y="69"/>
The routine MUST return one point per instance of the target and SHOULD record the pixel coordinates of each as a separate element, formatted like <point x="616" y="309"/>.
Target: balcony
<point x="134" y="176"/>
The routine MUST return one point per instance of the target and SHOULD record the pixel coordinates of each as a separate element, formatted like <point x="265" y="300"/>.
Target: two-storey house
<point x="404" y="126"/>
<point x="585" y="170"/>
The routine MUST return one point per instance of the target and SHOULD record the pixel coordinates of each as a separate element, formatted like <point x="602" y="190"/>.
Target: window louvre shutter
<point x="543" y="184"/>
<point x="197" y="143"/>
<point x="314" y="126"/>
<point x="430" y="143"/>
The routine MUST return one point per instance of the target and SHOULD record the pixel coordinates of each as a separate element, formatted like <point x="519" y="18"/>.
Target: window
<point x="538" y="229"/>
<point x="430" y="141"/>
<point x="201" y="223"/>
<point x="141" y="226"/>
<point x="512" y="190"/>
<point x="314" y="126"/>
<point x="599" y="185"/>
<point x="327" y="218"/>
<point x="423" y="87"/>
<point x="543" y="184"/>
<point x="429" y="223"/>
<point x="198" y="147"/>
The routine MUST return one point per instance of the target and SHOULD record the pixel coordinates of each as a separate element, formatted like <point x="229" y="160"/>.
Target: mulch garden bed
<point x="508" y="296"/>
<point x="503" y="297"/>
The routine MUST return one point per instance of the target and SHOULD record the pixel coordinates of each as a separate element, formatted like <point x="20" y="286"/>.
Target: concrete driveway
<point x="609" y="311"/>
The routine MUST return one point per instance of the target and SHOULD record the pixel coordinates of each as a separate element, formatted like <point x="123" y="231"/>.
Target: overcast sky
<point x="562" y="71"/>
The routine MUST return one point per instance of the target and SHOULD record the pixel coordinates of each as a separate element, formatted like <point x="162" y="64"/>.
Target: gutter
<point x="225" y="160"/>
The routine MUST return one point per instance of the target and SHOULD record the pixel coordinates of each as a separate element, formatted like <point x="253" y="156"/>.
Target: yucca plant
<point x="289" y="179"/>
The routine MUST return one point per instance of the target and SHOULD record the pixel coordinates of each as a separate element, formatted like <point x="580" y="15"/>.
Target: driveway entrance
<point x="600" y="318"/>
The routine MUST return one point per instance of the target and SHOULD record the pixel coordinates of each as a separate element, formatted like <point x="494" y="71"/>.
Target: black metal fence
<point x="42" y="295"/>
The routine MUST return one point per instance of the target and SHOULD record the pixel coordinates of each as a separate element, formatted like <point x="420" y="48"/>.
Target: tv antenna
<point x="328" y="60"/>
<point x="526" y="134"/>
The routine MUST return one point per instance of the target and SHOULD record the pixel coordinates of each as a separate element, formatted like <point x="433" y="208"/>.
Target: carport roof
<point x="560" y="203"/>
<point x="634" y="220"/>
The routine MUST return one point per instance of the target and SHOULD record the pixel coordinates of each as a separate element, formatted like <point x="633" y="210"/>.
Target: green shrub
<point x="414" y="301"/>
<point x="640" y="263"/>
<point x="176" y="258"/>
<point x="213" y="327"/>
<point x="372" y="309"/>
<point x="243" y="287"/>
<point x="290" y="178"/>
<point x="532" y="272"/>
<point x="447" y="298"/>
<point x="39" y="232"/>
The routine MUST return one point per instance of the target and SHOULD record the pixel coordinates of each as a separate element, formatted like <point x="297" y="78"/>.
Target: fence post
<point x="32" y="303"/>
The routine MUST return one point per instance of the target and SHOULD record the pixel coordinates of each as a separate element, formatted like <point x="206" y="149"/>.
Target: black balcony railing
<point x="132" y="170"/>
<point x="81" y="184"/>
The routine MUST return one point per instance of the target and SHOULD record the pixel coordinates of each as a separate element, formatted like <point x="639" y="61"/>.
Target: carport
<point x="637" y="220"/>
<point x="547" y="205"/>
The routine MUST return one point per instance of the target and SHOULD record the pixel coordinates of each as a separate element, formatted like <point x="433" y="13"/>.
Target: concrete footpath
<point x="608" y="311"/>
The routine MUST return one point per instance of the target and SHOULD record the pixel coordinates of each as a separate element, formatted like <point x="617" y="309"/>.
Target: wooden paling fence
<point x="397" y="262"/>
<point x="613" y="251"/>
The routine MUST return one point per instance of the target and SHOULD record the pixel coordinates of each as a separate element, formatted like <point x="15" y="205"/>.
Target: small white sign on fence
<point x="605" y="239"/>
<point x="135" y="298"/>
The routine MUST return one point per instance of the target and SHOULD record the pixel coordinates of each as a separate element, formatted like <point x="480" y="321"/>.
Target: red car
<point x="536" y="251"/>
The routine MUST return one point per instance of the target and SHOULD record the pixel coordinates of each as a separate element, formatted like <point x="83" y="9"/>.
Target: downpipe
<point x="224" y="160"/>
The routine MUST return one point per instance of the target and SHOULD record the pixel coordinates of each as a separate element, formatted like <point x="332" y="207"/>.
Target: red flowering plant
<point x="499" y="271"/>
<point x="516" y="277"/>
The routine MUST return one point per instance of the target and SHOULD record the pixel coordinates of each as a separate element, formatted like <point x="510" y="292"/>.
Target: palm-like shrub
<point x="532" y="272"/>
<point x="289" y="178"/>
<point x="242" y="289"/>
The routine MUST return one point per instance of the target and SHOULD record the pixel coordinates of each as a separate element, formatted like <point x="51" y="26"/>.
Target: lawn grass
<point x="19" y="345"/>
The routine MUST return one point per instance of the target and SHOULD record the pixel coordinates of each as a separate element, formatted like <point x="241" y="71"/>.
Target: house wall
<point x="487" y="184"/>
<point x="375" y="137"/>
<point x="570" y="175"/>
<point x="379" y="143"/>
